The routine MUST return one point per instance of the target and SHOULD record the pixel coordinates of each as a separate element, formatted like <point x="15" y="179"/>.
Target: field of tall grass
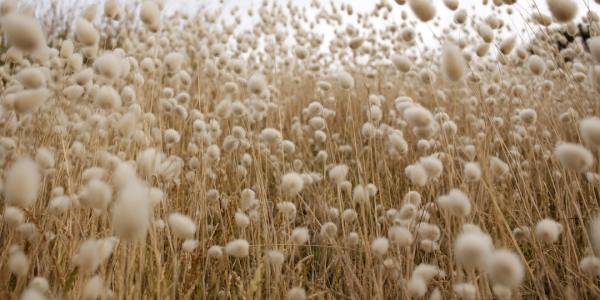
<point x="185" y="155"/>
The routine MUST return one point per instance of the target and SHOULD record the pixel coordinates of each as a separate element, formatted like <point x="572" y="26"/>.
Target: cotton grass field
<point x="421" y="150"/>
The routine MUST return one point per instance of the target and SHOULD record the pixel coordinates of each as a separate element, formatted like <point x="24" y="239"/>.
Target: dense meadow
<point x="420" y="150"/>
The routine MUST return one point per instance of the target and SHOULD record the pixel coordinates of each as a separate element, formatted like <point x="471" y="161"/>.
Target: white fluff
<point x="96" y="194"/>
<point x="13" y="216"/>
<point x="190" y="245"/>
<point x="182" y="226"/>
<point x="108" y="65"/>
<point x="562" y="10"/>
<point x="423" y="9"/>
<point x="93" y="289"/>
<point x="338" y="173"/>
<point x="456" y="203"/>
<point x="472" y="172"/>
<point x="23" y="32"/>
<point x="471" y="249"/>
<point x="237" y="248"/>
<point x="131" y="213"/>
<point x="296" y="293"/>
<point x="574" y="157"/>
<point x="92" y="253"/>
<point x="86" y="33"/>
<point x="300" y="235"/>
<point x="504" y="267"/>
<point x="22" y="182"/>
<point x="380" y="246"/>
<point x="453" y="63"/>
<point x="548" y="231"/>
<point x="18" y="263"/>
<point x="465" y="291"/>
<point x="418" y="116"/>
<point x="28" y="100"/>
<point x="417" y="174"/>
<point x="589" y="129"/>
<point x="31" y="78"/>
<point x="292" y="184"/>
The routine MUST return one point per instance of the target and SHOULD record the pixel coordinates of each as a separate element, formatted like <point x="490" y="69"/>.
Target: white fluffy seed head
<point x="536" y="65"/>
<point x="472" y="248"/>
<point x="40" y="284"/>
<point x="13" y="216"/>
<point x="300" y="235"/>
<point x="85" y="33"/>
<point x="418" y="116"/>
<point x="241" y="219"/>
<point x="173" y="62"/>
<point x="59" y="204"/>
<point x="21" y="183"/>
<point x="257" y="84"/>
<point x="400" y="236"/>
<point x="271" y="136"/>
<point x="328" y="230"/>
<point x="108" y="65"/>
<point x="215" y="252"/>
<point x="237" y="248"/>
<point x="472" y="172"/>
<point x="423" y="9"/>
<point x="401" y="62"/>
<point x="498" y="167"/>
<point x="45" y="158"/>
<point x="528" y="116"/>
<point x="548" y="231"/>
<point x="296" y="293"/>
<point x="92" y="253"/>
<point x="346" y="80"/>
<point x="275" y="257"/>
<point x="23" y="32"/>
<point x="590" y="265"/>
<point x="417" y="174"/>
<point x="190" y="245"/>
<point x="172" y="136"/>
<point x="338" y="173"/>
<point x="131" y="213"/>
<point x="380" y="246"/>
<point x="94" y="288"/>
<point x="28" y="100"/>
<point x="96" y="194"/>
<point x="562" y="10"/>
<point x="454" y="65"/>
<point x="18" y="263"/>
<point x="574" y="157"/>
<point x="504" y="267"/>
<point x="589" y="129"/>
<point x="508" y="44"/>
<point x="292" y="184"/>
<point x="150" y="14"/>
<point x="107" y="97"/>
<point x="465" y="291"/>
<point x="416" y="287"/>
<point x="433" y="166"/>
<point x="182" y="226"/>
<point x="288" y="209"/>
<point x="31" y="78"/>
<point x="456" y="203"/>
<point x="360" y="194"/>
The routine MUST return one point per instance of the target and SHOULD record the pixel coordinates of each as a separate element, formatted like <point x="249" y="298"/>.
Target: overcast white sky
<point x="522" y="9"/>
